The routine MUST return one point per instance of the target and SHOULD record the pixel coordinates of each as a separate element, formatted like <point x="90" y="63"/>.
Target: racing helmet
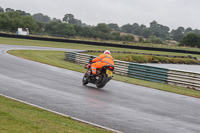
<point x="107" y="52"/>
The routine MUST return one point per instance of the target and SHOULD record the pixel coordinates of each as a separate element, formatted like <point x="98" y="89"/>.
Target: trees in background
<point x="146" y="33"/>
<point x="191" y="40"/>
<point x="1" y="9"/>
<point x="102" y="27"/>
<point x="127" y="28"/>
<point x="29" y="22"/>
<point x="9" y="10"/>
<point x="69" y="18"/>
<point x="178" y="34"/>
<point x="159" y="30"/>
<point x="64" y="29"/>
<point x="114" y="27"/>
<point x="4" y="21"/>
<point x="181" y="32"/>
<point x="13" y="20"/>
<point x="155" y="29"/>
<point x="23" y="13"/>
<point x="188" y="30"/>
<point x="42" y="18"/>
<point x="70" y="26"/>
<point x="155" y="40"/>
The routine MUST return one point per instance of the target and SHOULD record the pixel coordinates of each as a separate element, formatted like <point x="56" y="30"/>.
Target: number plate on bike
<point x="109" y="73"/>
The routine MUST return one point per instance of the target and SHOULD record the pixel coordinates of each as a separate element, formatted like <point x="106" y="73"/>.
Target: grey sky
<point x="172" y="13"/>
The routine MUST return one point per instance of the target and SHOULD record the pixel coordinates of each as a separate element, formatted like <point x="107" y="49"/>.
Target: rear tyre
<point x="85" y="79"/>
<point x="101" y="82"/>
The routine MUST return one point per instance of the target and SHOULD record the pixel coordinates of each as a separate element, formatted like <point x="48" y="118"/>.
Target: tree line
<point x="69" y="26"/>
<point x="191" y="39"/>
<point x="11" y="19"/>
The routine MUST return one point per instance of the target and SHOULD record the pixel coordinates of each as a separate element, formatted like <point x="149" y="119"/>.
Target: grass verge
<point x="56" y="58"/>
<point x="26" y="42"/>
<point x="16" y="117"/>
<point x="167" y="44"/>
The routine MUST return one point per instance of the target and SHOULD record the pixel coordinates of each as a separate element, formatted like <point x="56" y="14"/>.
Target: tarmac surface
<point x="121" y="106"/>
<point x="183" y="67"/>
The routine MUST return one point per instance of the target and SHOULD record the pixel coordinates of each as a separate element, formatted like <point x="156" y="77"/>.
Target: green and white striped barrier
<point x="150" y="73"/>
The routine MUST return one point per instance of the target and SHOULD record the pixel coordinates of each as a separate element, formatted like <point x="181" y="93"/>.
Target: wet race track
<point x="120" y="106"/>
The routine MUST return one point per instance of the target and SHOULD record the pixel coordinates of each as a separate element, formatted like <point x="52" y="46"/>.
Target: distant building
<point x="22" y="31"/>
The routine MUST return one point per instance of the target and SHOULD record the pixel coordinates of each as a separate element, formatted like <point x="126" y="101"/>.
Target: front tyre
<point x="85" y="79"/>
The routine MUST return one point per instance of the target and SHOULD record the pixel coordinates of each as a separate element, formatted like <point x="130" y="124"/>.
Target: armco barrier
<point x="150" y="73"/>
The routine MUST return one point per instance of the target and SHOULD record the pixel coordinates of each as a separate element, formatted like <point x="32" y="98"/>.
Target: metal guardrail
<point x="156" y="74"/>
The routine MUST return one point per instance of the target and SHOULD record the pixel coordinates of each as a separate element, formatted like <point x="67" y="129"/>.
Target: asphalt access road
<point x="120" y="106"/>
<point x="183" y="67"/>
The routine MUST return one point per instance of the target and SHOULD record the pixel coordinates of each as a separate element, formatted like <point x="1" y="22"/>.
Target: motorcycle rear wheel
<point x="101" y="81"/>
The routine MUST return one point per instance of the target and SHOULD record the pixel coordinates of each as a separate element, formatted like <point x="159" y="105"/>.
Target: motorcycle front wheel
<point x="85" y="79"/>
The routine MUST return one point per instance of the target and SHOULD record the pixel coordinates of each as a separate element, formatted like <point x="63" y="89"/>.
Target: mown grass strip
<point x="14" y="41"/>
<point x="56" y="58"/>
<point x="167" y="44"/>
<point x="17" y="117"/>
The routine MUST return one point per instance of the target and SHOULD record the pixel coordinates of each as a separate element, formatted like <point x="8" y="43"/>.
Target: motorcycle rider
<point x="100" y="61"/>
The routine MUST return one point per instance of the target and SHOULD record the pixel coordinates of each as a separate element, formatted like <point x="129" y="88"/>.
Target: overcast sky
<point x="171" y="13"/>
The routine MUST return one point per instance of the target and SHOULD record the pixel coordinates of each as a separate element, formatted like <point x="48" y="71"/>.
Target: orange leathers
<point x="101" y="60"/>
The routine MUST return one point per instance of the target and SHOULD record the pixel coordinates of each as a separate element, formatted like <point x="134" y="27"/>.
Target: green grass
<point x="56" y="58"/>
<point x="173" y="44"/>
<point x="16" y="117"/>
<point x="26" y="42"/>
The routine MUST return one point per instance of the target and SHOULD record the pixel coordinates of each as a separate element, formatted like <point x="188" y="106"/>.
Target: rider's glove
<point x="88" y="66"/>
